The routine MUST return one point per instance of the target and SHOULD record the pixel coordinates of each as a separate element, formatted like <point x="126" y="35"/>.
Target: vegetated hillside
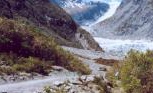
<point x="53" y="20"/>
<point x="24" y="48"/>
<point x="83" y="12"/>
<point x="133" y="19"/>
<point x="134" y="74"/>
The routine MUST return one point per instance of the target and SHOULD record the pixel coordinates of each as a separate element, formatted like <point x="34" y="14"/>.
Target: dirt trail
<point x="34" y="86"/>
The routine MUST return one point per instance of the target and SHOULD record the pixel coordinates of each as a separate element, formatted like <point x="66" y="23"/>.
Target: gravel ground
<point x="35" y="86"/>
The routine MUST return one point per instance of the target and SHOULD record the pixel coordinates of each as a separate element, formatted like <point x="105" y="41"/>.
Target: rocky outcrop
<point x="87" y="40"/>
<point x="50" y="18"/>
<point x="133" y="19"/>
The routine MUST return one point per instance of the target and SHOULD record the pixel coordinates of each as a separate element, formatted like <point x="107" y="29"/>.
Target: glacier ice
<point x="120" y="48"/>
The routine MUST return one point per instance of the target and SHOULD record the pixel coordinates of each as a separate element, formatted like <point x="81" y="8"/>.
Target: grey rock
<point x="57" y="68"/>
<point x="102" y="69"/>
<point x="132" y="20"/>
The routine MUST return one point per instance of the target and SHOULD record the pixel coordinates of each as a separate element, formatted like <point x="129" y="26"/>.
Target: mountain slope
<point x="24" y="49"/>
<point x="50" y="18"/>
<point x="84" y="12"/>
<point x="133" y="19"/>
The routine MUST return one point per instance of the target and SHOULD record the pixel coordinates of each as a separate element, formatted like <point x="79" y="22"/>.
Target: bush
<point x="102" y="86"/>
<point x="29" y="44"/>
<point x="12" y="65"/>
<point x="32" y="65"/>
<point x="7" y="70"/>
<point x="48" y="89"/>
<point x="136" y="72"/>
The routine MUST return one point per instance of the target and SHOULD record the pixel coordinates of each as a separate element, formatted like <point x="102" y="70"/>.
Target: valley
<point x="76" y="46"/>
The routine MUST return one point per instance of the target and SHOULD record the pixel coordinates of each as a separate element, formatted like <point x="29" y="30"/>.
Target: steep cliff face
<point x="133" y="19"/>
<point x="47" y="16"/>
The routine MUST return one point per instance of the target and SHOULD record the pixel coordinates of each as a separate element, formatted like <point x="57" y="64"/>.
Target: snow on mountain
<point x="113" y="6"/>
<point x="84" y="12"/>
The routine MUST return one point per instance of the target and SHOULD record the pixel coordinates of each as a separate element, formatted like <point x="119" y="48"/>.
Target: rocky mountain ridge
<point x="53" y="20"/>
<point x="133" y="20"/>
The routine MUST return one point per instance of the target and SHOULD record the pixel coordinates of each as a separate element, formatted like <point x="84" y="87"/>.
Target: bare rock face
<point x="87" y="40"/>
<point x="133" y="19"/>
<point x="50" y="18"/>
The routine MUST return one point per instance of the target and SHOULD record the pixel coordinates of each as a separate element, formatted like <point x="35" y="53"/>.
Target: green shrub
<point x="136" y="72"/>
<point x="7" y="70"/>
<point x="21" y="42"/>
<point x="32" y="65"/>
<point x="102" y="86"/>
<point x="12" y="65"/>
<point x="48" y="89"/>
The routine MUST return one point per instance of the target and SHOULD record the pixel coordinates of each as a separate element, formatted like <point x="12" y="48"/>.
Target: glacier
<point x="113" y="7"/>
<point x="117" y="46"/>
<point x="120" y="48"/>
